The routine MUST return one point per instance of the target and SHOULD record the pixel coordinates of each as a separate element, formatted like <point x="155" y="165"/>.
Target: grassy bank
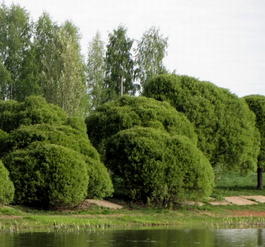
<point x="25" y="219"/>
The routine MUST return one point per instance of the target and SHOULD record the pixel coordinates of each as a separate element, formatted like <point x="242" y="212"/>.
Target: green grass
<point x="17" y="218"/>
<point x="98" y="218"/>
<point x="235" y="184"/>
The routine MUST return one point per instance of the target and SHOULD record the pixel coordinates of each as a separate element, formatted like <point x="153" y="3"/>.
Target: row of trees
<point x="120" y="68"/>
<point x="44" y="58"/>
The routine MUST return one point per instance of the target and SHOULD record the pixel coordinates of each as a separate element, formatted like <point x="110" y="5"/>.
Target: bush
<point x="151" y="165"/>
<point x="47" y="175"/>
<point x="56" y="134"/>
<point x="127" y="112"/>
<point x="6" y="186"/>
<point x="34" y="110"/>
<point x="224" y="124"/>
<point x="100" y="184"/>
<point x="257" y="105"/>
<point x="34" y="120"/>
<point x="77" y="123"/>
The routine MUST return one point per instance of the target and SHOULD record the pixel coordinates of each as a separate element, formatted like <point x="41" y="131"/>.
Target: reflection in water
<point x="143" y="238"/>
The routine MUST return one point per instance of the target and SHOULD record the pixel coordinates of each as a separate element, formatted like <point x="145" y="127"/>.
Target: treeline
<point x="44" y="58"/>
<point x="167" y="145"/>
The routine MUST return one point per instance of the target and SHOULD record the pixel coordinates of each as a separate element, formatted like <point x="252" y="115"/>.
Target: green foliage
<point x="6" y="186"/>
<point x="34" y="110"/>
<point x="60" y="71"/>
<point x="153" y="166"/>
<point x="150" y="52"/>
<point x="224" y="124"/>
<point x="96" y="71"/>
<point x="257" y="104"/>
<point x="3" y="135"/>
<point x="127" y="112"/>
<point x="47" y="175"/>
<point x="77" y="123"/>
<point x="119" y="65"/>
<point x="55" y="134"/>
<point x="100" y="184"/>
<point x="34" y="120"/>
<point x="15" y="42"/>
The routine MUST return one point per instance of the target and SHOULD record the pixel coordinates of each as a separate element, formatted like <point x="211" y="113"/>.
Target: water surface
<point x="143" y="238"/>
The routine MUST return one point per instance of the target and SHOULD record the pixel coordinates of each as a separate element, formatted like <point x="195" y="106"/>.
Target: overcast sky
<point x="222" y="41"/>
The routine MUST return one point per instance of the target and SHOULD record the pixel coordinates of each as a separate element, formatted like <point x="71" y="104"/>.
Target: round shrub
<point x="3" y="135"/>
<point x="151" y="165"/>
<point x="6" y="186"/>
<point x="34" y="110"/>
<point x="127" y="112"/>
<point x="257" y="104"/>
<point x="47" y="175"/>
<point x="56" y="134"/>
<point x="224" y="124"/>
<point x="100" y="184"/>
<point x="77" y="123"/>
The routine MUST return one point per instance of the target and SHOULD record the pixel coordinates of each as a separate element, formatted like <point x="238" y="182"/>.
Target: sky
<point x="221" y="41"/>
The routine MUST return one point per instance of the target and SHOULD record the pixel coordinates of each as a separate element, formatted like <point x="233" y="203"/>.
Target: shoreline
<point x="22" y="219"/>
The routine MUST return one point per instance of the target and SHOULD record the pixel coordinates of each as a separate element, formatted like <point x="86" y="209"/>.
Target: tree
<point x="96" y="71"/>
<point x="47" y="175"/>
<point x="127" y="112"/>
<point x="36" y="121"/>
<point x="119" y="65"/>
<point x="151" y="165"/>
<point x="224" y="124"/>
<point x="61" y="71"/>
<point x="150" y="52"/>
<point x="15" y="43"/>
<point x="257" y="104"/>
<point x="6" y="186"/>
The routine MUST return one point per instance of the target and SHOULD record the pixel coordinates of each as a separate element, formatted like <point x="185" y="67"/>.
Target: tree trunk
<point x="260" y="179"/>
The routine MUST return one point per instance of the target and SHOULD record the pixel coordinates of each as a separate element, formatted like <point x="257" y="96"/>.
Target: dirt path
<point x="240" y="200"/>
<point x="101" y="203"/>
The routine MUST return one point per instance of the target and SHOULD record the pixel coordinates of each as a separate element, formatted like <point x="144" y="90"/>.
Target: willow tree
<point x="223" y="122"/>
<point x="257" y="105"/>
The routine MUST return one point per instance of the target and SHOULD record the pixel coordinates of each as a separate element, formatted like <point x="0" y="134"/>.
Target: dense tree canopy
<point x="257" y="105"/>
<point x="60" y="70"/>
<point x="119" y="64"/>
<point x="6" y="186"/>
<point x="127" y="112"/>
<point x="224" y="124"/>
<point x="36" y="121"/>
<point x="15" y="42"/>
<point x="96" y="72"/>
<point x="151" y="165"/>
<point x="150" y="52"/>
<point x="34" y="110"/>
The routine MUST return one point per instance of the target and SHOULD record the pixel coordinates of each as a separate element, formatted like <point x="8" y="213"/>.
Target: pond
<point x="143" y="238"/>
